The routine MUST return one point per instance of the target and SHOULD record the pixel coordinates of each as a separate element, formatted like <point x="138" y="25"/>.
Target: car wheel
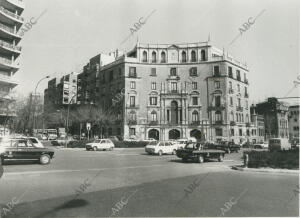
<point x="87" y="149"/>
<point x="174" y="152"/>
<point x="45" y="159"/>
<point x="200" y="159"/>
<point x="221" y="158"/>
<point x="159" y="152"/>
<point x="111" y="148"/>
<point x="95" y="148"/>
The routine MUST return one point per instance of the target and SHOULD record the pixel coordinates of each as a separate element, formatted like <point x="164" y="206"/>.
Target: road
<point x="127" y="182"/>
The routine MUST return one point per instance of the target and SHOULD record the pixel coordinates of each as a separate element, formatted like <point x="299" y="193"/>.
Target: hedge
<point x="278" y="159"/>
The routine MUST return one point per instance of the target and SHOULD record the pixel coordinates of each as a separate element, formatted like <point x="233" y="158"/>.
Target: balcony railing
<point x="6" y="28"/>
<point x="8" y="45"/>
<point x="248" y="124"/>
<point x="218" y="122"/>
<point x="195" y="123"/>
<point x="5" y="61"/>
<point x="219" y="107"/>
<point x="239" y="108"/>
<point x="232" y="123"/>
<point x="246" y="81"/>
<point x="132" y="122"/>
<point x="153" y="123"/>
<point x="11" y="14"/>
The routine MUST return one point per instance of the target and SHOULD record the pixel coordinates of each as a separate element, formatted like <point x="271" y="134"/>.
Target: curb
<point x="265" y="170"/>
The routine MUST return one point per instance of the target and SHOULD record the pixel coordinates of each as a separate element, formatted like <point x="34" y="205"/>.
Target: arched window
<point x="153" y="116"/>
<point x="203" y="55"/>
<point x="195" y="116"/>
<point x="163" y="57"/>
<point x="153" y="57"/>
<point x="183" y="56"/>
<point x="247" y="118"/>
<point x="242" y="117"/>
<point x="218" y="116"/>
<point x="145" y="58"/>
<point x="231" y="116"/>
<point x="193" y="56"/>
<point x="237" y="117"/>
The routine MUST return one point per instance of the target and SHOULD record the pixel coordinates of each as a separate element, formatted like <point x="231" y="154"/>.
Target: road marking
<point x="97" y="169"/>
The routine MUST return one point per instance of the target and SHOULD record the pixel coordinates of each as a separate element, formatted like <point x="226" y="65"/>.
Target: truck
<point x="199" y="153"/>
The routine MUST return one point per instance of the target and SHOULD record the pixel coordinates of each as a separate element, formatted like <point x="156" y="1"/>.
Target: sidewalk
<point x="264" y="170"/>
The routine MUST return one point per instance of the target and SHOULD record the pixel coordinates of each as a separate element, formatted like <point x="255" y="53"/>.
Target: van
<point x="279" y="144"/>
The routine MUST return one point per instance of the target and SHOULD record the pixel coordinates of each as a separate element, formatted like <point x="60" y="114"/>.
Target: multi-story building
<point x="275" y="117"/>
<point x="256" y="129"/>
<point x="293" y="122"/>
<point x="176" y="90"/>
<point x="61" y="92"/>
<point x="10" y="23"/>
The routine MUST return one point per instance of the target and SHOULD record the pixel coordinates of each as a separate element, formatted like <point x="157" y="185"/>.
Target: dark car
<point x="228" y="147"/>
<point x="24" y="149"/>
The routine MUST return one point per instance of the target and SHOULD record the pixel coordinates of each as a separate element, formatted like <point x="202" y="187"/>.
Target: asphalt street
<point x="128" y="182"/>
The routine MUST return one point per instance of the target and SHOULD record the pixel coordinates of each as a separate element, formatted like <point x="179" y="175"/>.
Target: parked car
<point x="100" y="144"/>
<point x="228" y="147"/>
<point x="279" y="144"/>
<point x="160" y="148"/>
<point x="181" y="143"/>
<point x="24" y="149"/>
<point x="36" y="142"/>
<point x="261" y="146"/>
<point x="52" y="136"/>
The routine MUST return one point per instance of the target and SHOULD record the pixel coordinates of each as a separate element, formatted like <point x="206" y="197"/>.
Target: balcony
<point x="246" y="81"/>
<point x="239" y="108"/>
<point x="216" y="108"/>
<point x="11" y="15"/>
<point x="195" y="123"/>
<point x="231" y="91"/>
<point x="7" y="81"/>
<point x="132" y="122"/>
<point x="132" y="106"/>
<point x="8" y="32"/>
<point x="218" y="122"/>
<point x="19" y="3"/>
<point x="238" y="78"/>
<point x="232" y="123"/>
<point x="153" y="123"/>
<point x="10" y="47"/>
<point x="248" y="124"/>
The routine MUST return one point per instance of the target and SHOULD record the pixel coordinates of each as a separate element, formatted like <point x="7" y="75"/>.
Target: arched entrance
<point x="174" y="134"/>
<point x="153" y="133"/>
<point x="174" y="112"/>
<point x="196" y="134"/>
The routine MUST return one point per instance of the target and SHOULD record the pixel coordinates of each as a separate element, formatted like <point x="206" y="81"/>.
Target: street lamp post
<point x="68" y="113"/>
<point x="34" y="106"/>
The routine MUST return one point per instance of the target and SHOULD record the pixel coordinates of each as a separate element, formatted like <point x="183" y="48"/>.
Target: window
<point x="248" y="132"/>
<point x="183" y="56"/>
<point x="132" y="85"/>
<point x="230" y="85"/>
<point x="173" y="71"/>
<point x="193" y="71"/>
<point x="217" y="84"/>
<point x="218" y="116"/>
<point x="168" y="115"/>
<point x="246" y="91"/>
<point x="195" y="116"/>
<point x="153" y="72"/>
<point x="193" y="56"/>
<point x="231" y="116"/>
<point x="239" y="102"/>
<point x="238" y="87"/>
<point x="132" y="101"/>
<point x="145" y="58"/>
<point x="154" y="57"/>
<point x="203" y="58"/>
<point x="232" y="132"/>
<point x="218" y="101"/>
<point x="230" y="72"/>
<point x="131" y="131"/>
<point x="219" y="132"/>
<point x="238" y="75"/>
<point x="174" y="86"/>
<point x="240" y="132"/>
<point x="132" y="72"/>
<point x="153" y="100"/>
<point x="153" y="116"/>
<point x="153" y="86"/>
<point x="111" y="76"/>
<point x="132" y="115"/>
<point x="231" y="101"/>
<point x="247" y="118"/>
<point x="163" y="57"/>
<point x="237" y="117"/>
<point x="195" y="100"/>
<point x="194" y="85"/>
<point x="247" y="104"/>
<point x="216" y="71"/>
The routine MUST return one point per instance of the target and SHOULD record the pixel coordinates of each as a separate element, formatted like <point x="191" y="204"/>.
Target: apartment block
<point x="293" y="120"/>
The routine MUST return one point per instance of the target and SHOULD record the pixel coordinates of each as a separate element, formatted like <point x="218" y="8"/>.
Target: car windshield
<point x="153" y="143"/>
<point x="33" y="140"/>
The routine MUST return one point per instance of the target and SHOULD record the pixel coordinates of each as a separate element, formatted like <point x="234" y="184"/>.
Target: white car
<point x="36" y="142"/>
<point x="100" y="144"/>
<point x="261" y="146"/>
<point x="160" y="148"/>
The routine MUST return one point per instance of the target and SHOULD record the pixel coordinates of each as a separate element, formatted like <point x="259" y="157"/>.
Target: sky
<point x="70" y="32"/>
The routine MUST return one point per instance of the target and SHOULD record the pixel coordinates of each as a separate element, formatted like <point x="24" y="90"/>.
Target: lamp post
<point x="68" y="113"/>
<point x="34" y="106"/>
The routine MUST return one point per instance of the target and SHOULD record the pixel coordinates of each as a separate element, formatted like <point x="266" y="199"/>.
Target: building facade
<point x="293" y="119"/>
<point x="10" y="23"/>
<point x="172" y="91"/>
<point x="275" y="115"/>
